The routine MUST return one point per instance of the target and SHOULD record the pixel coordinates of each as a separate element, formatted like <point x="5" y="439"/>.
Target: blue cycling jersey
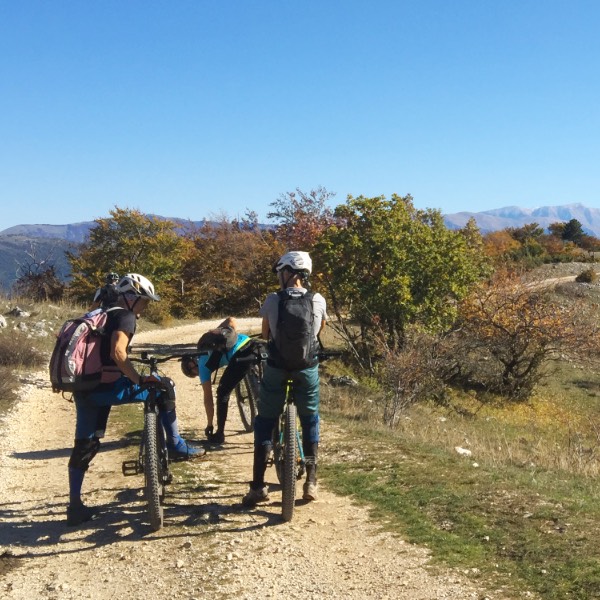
<point x="204" y="373"/>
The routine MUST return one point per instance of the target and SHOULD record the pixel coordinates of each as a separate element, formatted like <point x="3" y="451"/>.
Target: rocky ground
<point x="210" y="546"/>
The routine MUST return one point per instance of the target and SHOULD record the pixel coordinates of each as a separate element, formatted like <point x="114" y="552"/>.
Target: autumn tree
<point x="227" y="269"/>
<point x="388" y="265"/>
<point x="38" y="283"/>
<point x="301" y="217"/>
<point x="129" y="241"/>
<point x="499" y="245"/>
<point x="37" y="278"/>
<point x="508" y="332"/>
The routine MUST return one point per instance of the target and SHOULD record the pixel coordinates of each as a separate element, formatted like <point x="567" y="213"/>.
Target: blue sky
<point x="197" y="108"/>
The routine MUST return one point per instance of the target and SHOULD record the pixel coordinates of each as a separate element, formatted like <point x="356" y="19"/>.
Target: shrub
<point x="7" y="386"/>
<point x="587" y="276"/>
<point x="410" y="375"/>
<point x="16" y="350"/>
<point x="509" y="333"/>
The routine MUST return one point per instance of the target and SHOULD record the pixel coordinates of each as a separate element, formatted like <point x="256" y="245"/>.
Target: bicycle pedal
<point x="131" y="467"/>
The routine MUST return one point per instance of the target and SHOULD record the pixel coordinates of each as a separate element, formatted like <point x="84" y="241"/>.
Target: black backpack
<point x="295" y="347"/>
<point x="217" y="341"/>
<point x="221" y="339"/>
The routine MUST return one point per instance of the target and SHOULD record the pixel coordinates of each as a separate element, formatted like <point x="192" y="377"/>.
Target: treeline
<point x="419" y="305"/>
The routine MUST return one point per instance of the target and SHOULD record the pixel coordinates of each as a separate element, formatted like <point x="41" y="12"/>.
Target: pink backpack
<point x="76" y="364"/>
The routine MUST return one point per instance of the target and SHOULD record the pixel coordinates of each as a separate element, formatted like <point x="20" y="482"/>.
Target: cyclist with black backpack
<point x="107" y="295"/>
<point x="292" y="319"/>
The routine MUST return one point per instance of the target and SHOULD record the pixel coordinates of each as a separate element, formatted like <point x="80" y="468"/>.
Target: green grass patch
<point x="520" y="527"/>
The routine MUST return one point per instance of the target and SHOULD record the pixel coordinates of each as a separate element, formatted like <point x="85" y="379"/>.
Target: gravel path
<point x="210" y="547"/>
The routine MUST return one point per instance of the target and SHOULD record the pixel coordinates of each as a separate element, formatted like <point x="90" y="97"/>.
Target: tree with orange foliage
<point x="227" y="269"/>
<point x="499" y="244"/>
<point x="509" y="332"/>
<point x="302" y="217"/>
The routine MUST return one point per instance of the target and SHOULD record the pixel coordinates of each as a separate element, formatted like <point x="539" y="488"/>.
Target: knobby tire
<point x="290" y="464"/>
<point x="246" y="393"/>
<point x="278" y="448"/>
<point x="152" y="471"/>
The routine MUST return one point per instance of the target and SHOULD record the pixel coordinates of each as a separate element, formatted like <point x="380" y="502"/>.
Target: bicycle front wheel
<point x="246" y="393"/>
<point x="290" y="464"/>
<point x="154" y="488"/>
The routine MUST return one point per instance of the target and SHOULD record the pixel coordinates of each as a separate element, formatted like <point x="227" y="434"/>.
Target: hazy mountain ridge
<point x="52" y="240"/>
<point x="78" y="232"/>
<point x="515" y="216"/>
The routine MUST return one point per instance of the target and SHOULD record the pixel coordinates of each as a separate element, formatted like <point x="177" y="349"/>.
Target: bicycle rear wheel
<point x="246" y="393"/>
<point x="278" y="447"/>
<point x="154" y="488"/>
<point x="290" y="464"/>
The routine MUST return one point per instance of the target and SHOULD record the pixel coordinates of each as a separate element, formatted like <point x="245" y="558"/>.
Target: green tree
<point x="531" y="251"/>
<point x="129" y="241"/>
<point x="557" y="229"/>
<point x="388" y="265"/>
<point x="573" y="232"/>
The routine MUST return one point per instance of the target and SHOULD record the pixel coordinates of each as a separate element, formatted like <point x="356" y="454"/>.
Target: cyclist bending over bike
<point x="120" y="384"/>
<point x="224" y="345"/>
<point x="292" y="319"/>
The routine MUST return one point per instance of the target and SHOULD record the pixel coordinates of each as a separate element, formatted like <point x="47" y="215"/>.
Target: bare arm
<point x="323" y="322"/>
<point x="209" y="405"/>
<point x="118" y="352"/>
<point x="265" y="329"/>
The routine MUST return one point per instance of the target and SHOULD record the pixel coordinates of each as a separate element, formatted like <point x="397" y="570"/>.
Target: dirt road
<point x="210" y="547"/>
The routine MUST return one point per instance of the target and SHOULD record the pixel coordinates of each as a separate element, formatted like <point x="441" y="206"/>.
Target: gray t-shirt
<point x="270" y="309"/>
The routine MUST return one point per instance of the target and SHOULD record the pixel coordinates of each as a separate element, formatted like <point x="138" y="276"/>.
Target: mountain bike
<point x="153" y="456"/>
<point x="288" y="454"/>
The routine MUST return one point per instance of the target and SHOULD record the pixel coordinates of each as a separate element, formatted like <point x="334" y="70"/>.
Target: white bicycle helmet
<point x="296" y="260"/>
<point x="138" y="285"/>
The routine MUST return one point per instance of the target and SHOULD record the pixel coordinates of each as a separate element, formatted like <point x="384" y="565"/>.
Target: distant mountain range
<point x="514" y="216"/>
<point x="51" y="241"/>
<point x="76" y="232"/>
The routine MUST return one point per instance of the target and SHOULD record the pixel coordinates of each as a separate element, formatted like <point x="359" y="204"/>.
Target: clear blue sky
<point x="190" y="108"/>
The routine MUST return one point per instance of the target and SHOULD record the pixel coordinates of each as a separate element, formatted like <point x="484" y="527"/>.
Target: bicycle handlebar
<point x="259" y="357"/>
<point x="148" y="359"/>
<point x="326" y="354"/>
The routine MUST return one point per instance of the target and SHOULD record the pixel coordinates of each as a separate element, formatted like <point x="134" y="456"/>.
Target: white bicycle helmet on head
<point x="296" y="260"/>
<point x="138" y="285"/>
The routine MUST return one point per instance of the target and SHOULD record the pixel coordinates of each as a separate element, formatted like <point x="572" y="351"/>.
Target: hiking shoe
<point x="254" y="496"/>
<point x="80" y="514"/>
<point x="217" y="438"/>
<point x="310" y="491"/>
<point x="183" y="451"/>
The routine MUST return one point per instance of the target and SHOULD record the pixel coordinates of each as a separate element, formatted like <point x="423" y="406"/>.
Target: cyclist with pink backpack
<point x="119" y="383"/>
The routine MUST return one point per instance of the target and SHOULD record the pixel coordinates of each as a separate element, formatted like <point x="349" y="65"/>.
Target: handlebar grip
<point x="322" y="356"/>
<point x="252" y="358"/>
